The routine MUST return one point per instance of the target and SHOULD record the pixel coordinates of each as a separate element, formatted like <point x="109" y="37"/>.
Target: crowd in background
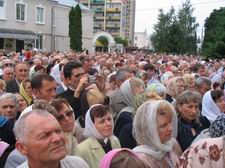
<point x="111" y="110"/>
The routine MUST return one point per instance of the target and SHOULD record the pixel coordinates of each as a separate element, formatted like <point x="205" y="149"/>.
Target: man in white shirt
<point x="40" y="138"/>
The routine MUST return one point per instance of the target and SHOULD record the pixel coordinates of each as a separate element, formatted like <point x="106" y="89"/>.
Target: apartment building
<point x="41" y="24"/>
<point x="116" y="17"/>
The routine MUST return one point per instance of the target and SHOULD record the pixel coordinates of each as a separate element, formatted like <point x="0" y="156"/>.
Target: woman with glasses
<point x="99" y="131"/>
<point x="65" y="116"/>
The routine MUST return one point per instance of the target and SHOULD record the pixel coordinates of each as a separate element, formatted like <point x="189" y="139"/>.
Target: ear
<point x="179" y="108"/>
<point x="68" y="80"/>
<point x="35" y="92"/>
<point x="21" y="148"/>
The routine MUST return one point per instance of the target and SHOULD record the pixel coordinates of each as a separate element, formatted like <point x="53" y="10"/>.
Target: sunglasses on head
<point x="63" y="116"/>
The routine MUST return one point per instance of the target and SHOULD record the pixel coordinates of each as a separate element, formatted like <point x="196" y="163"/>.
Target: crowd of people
<point x="111" y="110"/>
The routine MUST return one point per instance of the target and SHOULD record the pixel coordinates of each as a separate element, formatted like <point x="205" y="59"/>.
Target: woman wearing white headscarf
<point x="154" y="125"/>
<point x="213" y="104"/>
<point x="99" y="131"/>
<point x="129" y="89"/>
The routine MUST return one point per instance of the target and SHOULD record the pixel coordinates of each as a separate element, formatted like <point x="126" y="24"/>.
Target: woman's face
<point x="104" y="125"/>
<point x="189" y="111"/>
<point x="22" y="102"/>
<point x="191" y="84"/>
<point x="221" y="104"/>
<point x="28" y="89"/>
<point x="180" y="86"/>
<point x="138" y="90"/>
<point x="164" y="126"/>
<point x="66" y="118"/>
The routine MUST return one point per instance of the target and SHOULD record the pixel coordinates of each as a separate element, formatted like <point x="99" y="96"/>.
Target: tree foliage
<point x="214" y="40"/>
<point x="176" y="32"/>
<point x="75" y="28"/>
<point x="121" y="40"/>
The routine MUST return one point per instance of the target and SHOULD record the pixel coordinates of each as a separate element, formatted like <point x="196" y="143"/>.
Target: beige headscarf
<point x="146" y="133"/>
<point x="172" y="86"/>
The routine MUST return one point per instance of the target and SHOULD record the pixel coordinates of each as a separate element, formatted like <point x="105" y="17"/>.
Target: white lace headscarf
<point x="146" y="133"/>
<point x="209" y="108"/>
<point x="90" y="130"/>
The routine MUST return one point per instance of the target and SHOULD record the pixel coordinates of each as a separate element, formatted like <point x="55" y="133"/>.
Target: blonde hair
<point x="2" y="84"/>
<point x="188" y="78"/>
<point x="95" y="97"/>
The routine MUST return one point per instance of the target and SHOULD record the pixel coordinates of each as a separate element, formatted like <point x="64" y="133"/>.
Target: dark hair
<point x="39" y="67"/>
<point x="36" y="81"/>
<point x="216" y="94"/>
<point x="99" y="111"/>
<point x="58" y="104"/>
<point x="196" y="67"/>
<point x="126" y="160"/>
<point x="68" y="68"/>
<point x="49" y="67"/>
<point x="149" y="66"/>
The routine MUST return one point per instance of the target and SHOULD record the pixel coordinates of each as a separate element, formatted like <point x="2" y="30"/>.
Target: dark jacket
<point x="185" y="135"/>
<point x="123" y="119"/>
<point x="126" y="137"/>
<point x="6" y="131"/>
<point x="73" y="101"/>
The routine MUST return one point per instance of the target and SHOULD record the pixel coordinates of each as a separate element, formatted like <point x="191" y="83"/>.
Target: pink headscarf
<point x="106" y="160"/>
<point x="3" y="147"/>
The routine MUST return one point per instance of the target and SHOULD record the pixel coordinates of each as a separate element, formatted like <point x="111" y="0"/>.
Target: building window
<point x="2" y="9"/>
<point x="1" y="3"/>
<point x="20" y="11"/>
<point x="40" y="15"/>
<point x="39" y="42"/>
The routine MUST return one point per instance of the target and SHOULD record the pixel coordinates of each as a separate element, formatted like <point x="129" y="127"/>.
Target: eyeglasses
<point x="68" y="114"/>
<point x="8" y="64"/>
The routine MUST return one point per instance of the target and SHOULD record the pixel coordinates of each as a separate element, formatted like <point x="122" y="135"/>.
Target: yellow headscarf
<point x="24" y="94"/>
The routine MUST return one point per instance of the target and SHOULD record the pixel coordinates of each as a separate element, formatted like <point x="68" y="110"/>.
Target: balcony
<point x="113" y="18"/>
<point x="115" y="26"/>
<point x="99" y="18"/>
<point x="96" y="26"/>
<point x="113" y="10"/>
<point x="99" y="10"/>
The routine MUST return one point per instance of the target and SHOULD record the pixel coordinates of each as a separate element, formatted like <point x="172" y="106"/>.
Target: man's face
<point x="8" y="108"/>
<point x="87" y="66"/>
<point x="75" y="77"/>
<point x="8" y="74"/>
<point x="21" y="72"/>
<point x="44" y="143"/>
<point x="47" y="91"/>
<point x="202" y="71"/>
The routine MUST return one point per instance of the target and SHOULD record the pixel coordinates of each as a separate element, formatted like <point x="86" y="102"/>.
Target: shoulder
<point x="73" y="161"/>
<point x="86" y="144"/>
<point x="115" y="142"/>
<point x="14" y="159"/>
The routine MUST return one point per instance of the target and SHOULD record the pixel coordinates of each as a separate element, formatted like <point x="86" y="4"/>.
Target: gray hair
<point x="202" y="80"/>
<point x="21" y="129"/>
<point x="9" y="96"/>
<point x="122" y="73"/>
<point x="4" y="69"/>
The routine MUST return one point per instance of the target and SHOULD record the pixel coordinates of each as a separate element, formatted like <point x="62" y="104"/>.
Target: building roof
<point x="72" y="3"/>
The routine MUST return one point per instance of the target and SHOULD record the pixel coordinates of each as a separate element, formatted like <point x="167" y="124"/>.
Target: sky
<point x="147" y="11"/>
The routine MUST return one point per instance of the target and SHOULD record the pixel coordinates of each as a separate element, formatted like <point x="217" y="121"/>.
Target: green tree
<point x="160" y="36"/>
<point x="75" y="28"/>
<point x="120" y="40"/>
<point x="188" y="28"/>
<point x="176" y="33"/>
<point x="214" y="40"/>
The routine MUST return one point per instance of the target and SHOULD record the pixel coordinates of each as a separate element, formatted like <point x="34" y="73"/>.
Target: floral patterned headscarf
<point x="207" y="153"/>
